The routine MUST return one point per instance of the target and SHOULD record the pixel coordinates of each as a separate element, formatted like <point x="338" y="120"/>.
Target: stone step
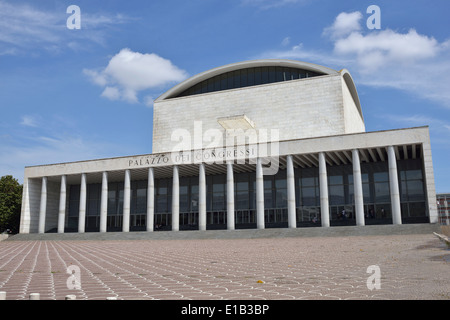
<point x="343" y="231"/>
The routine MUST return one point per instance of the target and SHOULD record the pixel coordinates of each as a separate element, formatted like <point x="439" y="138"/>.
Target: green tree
<point x="10" y="203"/>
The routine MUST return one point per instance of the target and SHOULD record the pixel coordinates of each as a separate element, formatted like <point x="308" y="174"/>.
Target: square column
<point x="290" y="179"/>
<point x="62" y="205"/>
<point x="175" y="200"/>
<point x="202" y="198"/>
<point x="82" y="211"/>
<point x="357" y="188"/>
<point x="323" y="183"/>
<point x="43" y="206"/>
<point x="230" y="196"/>
<point x="393" y="186"/>
<point x="150" y="200"/>
<point x="259" y="195"/>
<point x="104" y="202"/>
<point x="126" y="202"/>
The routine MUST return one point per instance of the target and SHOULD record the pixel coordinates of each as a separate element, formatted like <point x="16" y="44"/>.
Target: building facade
<point x="255" y="144"/>
<point x="443" y="207"/>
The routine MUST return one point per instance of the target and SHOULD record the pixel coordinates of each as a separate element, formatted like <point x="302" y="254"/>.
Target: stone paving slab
<point x="413" y="266"/>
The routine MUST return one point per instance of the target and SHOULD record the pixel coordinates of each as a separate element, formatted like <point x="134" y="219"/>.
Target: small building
<point x="254" y="144"/>
<point x="443" y="207"/>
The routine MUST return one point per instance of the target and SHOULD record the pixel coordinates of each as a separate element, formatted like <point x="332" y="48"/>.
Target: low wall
<point x="4" y="236"/>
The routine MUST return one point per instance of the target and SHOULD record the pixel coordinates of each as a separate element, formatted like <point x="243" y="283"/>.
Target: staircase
<point x="342" y="231"/>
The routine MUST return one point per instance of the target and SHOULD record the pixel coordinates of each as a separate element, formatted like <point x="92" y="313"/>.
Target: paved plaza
<point x="410" y="267"/>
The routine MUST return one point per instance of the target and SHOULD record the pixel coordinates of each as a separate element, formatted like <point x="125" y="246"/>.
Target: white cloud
<point x="47" y="149"/>
<point x="112" y="93"/>
<point x="387" y="47"/>
<point x="24" y="27"/>
<point x="344" y="24"/>
<point x="50" y="139"/>
<point x="412" y="62"/>
<point x="286" y="41"/>
<point x="29" y="121"/>
<point x="439" y="127"/>
<point x="96" y="77"/>
<point x="128" y="73"/>
<point x="298" y="52"/>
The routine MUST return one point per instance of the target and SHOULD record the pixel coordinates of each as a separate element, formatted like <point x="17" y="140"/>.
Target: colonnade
<point x="291" y="202"/>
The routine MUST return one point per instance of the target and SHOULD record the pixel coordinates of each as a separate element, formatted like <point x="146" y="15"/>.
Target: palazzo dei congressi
<point x="255" y="144"/>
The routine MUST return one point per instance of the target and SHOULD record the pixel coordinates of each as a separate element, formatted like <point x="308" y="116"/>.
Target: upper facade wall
<point x="304" y="108"/>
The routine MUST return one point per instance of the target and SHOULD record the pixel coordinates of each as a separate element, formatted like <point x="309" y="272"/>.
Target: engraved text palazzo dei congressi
<point x="218" y="155"/>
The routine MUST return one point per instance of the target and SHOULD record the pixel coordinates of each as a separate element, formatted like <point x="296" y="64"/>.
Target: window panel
<point x="246" y="77"/>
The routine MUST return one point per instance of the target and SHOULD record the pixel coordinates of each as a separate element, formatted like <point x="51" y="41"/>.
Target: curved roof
<point x="192" y="81"/>
<point x="176" y="90"/>
<point x="352" y="88"/>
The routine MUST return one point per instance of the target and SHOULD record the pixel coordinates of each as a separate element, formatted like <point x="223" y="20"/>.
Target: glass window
<point x="280" y="183"/>
<point x="272" y="74"/>
<point x="204" y="87"/>
<point x="380" y="176"/>
<point x="218" y="201"/>
<point x="415" y="190"/>
<point x="251" y="77"/>
<point x="247" y="77"/>
<point x="281" y="198"/>
<point x="242" y="186"/>
<point x="308" y="182"/>
<point x="309" y="196"/>
<point x="112" y="210"/>
<point x="74" y="200"/>
<point x="366" y="193"/>
<point x="237" y="79"/>
<point x="382" y="192"/>
<point x="93" y="199"/>
<point x="287" y="74"/>
<point x="242" y="201"/>
<point x="258" y="75"/>
<point x="365" y="177"/>
<point x="336" y="194"/>
<point x="223" y="82"/>
<point x="230" y="81"/>
<point x="279" y="74"/>
<point x="264" y="75"/>
<point x="335" y="180"/>
<point x="243" y="78"/>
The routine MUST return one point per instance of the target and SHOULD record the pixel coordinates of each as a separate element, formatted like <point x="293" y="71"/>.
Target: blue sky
<point x="80" y="94"/>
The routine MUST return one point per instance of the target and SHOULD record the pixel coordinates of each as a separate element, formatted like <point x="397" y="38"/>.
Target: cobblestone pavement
<point x="411" y="267"/>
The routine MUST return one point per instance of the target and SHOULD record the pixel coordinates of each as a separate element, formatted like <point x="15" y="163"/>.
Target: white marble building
<point x="255" y="144"/>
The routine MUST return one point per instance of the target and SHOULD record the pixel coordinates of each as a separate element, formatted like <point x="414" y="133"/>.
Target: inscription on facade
<point x="149" y="160"/>
<point x="219" y="155"/>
